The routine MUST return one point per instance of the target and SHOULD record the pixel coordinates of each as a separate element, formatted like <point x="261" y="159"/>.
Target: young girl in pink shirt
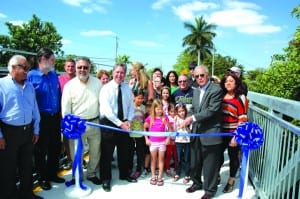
<point x="157" y="123"/>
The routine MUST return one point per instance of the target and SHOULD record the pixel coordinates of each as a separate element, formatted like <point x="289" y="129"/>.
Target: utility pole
<point x="213" y="61"/>
<point x="117" y="45"/>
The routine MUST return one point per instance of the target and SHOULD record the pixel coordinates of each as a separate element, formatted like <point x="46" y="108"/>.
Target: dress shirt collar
<point x="205" y="86"/>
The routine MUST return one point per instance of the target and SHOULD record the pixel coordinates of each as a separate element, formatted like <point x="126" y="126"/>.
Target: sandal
<point x="176" y="178"/>
<point x="153" y="181"/>
<point x="160" y="182"/>
<point x="228" y="188"/>
<point x="186" y="179"/>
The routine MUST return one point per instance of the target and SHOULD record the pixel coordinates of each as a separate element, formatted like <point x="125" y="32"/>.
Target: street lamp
<point x="213" y="61"/>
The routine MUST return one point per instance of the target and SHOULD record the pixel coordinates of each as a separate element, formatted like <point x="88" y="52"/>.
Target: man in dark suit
<point x="206" y="151"/>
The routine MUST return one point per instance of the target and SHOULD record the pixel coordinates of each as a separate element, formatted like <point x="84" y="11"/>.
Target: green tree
<point x="221" y="63"/>
<point x="282" y="78"/>
<point x="182" y="63"/>
<point x="31" y="36"/>
<point x="123" y="59"/>
<point x="199" y="41"/>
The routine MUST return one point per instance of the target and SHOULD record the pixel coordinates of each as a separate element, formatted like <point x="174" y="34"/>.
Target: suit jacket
<point x="208" y="114"/>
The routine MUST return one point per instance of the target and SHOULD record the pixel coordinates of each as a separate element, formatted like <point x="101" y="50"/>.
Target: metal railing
<point x="274" y="168"/>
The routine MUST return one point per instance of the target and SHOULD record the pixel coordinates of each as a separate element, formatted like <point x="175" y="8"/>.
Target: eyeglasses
<point x="182" y="81"/>
<point x="24" y="67"/>
<point x="200" y="75"/>
<point x="191" y="68"/>
<point x="83" y="67"/>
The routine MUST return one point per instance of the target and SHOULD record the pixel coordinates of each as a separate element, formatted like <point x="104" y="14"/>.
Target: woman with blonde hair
<point x="140" y="80"/>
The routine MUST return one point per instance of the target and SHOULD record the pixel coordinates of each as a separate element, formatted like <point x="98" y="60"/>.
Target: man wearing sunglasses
<point x="206" y="152"/>
<point x="184" y="93"/>
<point x="81" y="98"/>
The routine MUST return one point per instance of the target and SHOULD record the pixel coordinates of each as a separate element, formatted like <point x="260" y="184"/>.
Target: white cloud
<point x="66" y="41"/>
<point x="89" y="6"/>
<point x="98" y="8"/>
<point x="236" y="17"/>
<point x="233" y="4"/>
<point x="17" y="23"/>
<point x="107" y="2"/>
<point x="93" y="33"/>
<point x="87" y="10"/>
<point x="244" y="17"/>
<point x="77" y="3"/>
<point x="188" y="11"/>
<point x="2" y="15"/>
<point x="259" y="29"/>
<point x="145" y="43"/>
<point x="159" y="4"/>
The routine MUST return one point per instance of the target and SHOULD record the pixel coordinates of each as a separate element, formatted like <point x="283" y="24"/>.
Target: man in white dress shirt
<point x="109" y="111"/>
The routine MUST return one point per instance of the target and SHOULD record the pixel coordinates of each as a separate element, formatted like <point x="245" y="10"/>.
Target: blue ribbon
<point x="250" y="137"/>
<point x="73" y="127"/>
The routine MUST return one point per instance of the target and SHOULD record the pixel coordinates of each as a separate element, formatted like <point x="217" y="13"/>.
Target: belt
<point x="92" y="119"/>
<point x="24" y="127"/>
<point x="48" y="114"/>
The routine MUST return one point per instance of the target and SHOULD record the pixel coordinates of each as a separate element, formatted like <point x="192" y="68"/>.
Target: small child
<point x="165" y="98"/>
<point x="137" y="143"/>
<point x="147" y="158"/>
<point x="157" y="123"/>
<point x="171" y="148"/>
<point x="182" y="143"/>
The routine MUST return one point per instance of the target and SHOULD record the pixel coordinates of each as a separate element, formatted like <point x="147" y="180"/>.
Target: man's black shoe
<point x="95" y="180"/>
<point x="194" y="188"/>
<point x="129" y="179"/>
<point x="106" y="186"/>
<point x="57" y="179"/>
<point x="45" y="185"/>
<point x="36" y="196"/>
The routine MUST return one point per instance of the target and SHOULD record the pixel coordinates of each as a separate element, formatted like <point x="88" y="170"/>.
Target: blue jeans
<point x="183" y="159"/>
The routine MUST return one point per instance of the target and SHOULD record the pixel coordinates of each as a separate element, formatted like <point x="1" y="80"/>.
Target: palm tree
<point x="199" y="41"/>
<point x="123" y="59"/>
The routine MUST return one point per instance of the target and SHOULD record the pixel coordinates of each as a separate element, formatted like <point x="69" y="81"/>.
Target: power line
<point x="17" y="51"/>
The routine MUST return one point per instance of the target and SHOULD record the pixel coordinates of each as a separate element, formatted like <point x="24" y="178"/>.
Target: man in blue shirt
<point x="19" y="130"/>
<point x="48" y="95"/>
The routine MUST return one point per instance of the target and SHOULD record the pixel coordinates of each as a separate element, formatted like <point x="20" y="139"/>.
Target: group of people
<point x="33" y="102"/>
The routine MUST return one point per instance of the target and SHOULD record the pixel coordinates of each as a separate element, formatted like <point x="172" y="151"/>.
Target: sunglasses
<point x="24" y="67"/>
<point x="200" y="75"/>
<point x="182" y="81"/>
<point x="191" y="68"/>
<point x="83" y="67"/>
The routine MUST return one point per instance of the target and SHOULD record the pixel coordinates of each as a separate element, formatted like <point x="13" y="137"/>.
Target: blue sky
<point x="151" y="31"/>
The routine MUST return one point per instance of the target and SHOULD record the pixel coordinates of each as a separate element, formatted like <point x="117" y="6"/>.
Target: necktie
<point x="201" y="95"/>
<point x="120" y="106"/>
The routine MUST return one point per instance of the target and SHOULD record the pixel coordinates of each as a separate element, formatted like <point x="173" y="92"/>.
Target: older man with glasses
<point x="81" y="98"/>
<point x="206" y="151"/>
<point x="184" y="93"/>
<point x="19" y="130"/>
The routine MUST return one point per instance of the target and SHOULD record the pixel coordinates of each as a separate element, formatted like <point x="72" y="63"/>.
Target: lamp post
<point x="213" y="61"/>
<point x="117" y="45"/>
